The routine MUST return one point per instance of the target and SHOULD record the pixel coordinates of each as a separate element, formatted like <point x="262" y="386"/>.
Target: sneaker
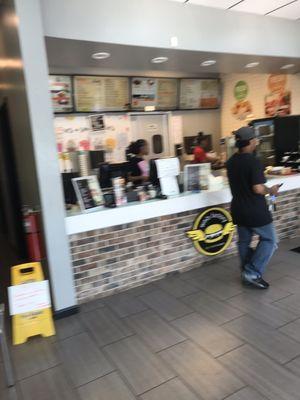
<point x="257" y="282"/>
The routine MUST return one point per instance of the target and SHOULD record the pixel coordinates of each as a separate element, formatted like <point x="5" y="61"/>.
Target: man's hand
<point x="274" y="190"/>
<point x="263" y="189"/>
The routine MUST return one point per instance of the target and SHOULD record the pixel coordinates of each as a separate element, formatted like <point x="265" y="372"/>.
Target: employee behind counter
<point x="138" y="169"/>
<point x="201" y="153"/>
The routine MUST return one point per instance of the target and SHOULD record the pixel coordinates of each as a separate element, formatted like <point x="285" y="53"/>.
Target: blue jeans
<point x="255" y="261"/>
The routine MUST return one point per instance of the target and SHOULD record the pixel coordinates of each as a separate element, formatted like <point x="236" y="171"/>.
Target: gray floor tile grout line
<point x="182" y="381"/>
<point x="157" y="386"/>
<point x="96" y="379"/>
<point x="175" y="372"/>
<point x="124" y="320"/>
<point x="235" y="319"/>
<point x="236" y="348"/>
<point x="166" y="320"/>
<point x="108" y="306"/>
<point x="292" y="320"/>
<point x="91" y="334"/>
<point x="259" y="350"/>
<point x="236" y="392"/>
<point x="116" y="369"/>
<point x="150" y="350"/>
<point x="172" y="345"/>
<point x="40" y="372"/>
<point x="184" y="315"/>
<point x="70" y="337"/>
<point x="282" y="298"/>
<point x="162" y="360"/>
<point x="287" y="335"/>
<point x="124" y="379"/>
<point x="292" y="359"/>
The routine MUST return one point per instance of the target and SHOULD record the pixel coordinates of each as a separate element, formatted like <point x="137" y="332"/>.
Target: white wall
<point x="49" y="181"/>
<point x="258" y="89"/>
<point x="152" y="23"/>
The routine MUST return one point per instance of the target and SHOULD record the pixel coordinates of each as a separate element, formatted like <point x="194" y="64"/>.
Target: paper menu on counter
<point x="169" y="186"/>
<point x="167" y="167"/>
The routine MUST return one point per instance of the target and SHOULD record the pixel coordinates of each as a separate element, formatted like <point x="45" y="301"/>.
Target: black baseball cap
<point x="244" y="134"/>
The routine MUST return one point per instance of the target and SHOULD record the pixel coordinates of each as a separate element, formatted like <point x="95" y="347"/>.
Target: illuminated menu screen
<point x="98" y="93"/>
<point x="161" y="93"/>
<point x="61" y="93"/>
<point x="199" y="93"/>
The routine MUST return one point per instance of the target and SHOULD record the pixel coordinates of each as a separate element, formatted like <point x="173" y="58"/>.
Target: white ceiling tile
<point x="284" y="8"/>
<point x="214" y="3"/>
<point x="292" y="11"/>
<point x="259" y="6"/>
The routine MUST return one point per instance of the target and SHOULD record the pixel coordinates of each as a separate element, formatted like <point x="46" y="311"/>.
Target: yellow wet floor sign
<point x="39" y="322"/>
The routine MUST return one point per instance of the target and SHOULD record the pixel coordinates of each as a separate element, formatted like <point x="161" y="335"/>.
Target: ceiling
<point x="74" y="57"/>
<point x="289" y="9"/>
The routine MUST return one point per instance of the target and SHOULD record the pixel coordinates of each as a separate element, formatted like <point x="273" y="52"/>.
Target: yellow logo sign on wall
<point x="212" y="231"/>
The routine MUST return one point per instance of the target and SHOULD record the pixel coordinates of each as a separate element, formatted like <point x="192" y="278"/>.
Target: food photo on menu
<point x="143" y="92"/>
<point x="61" y="93"/>
<point x="278" y="100"/>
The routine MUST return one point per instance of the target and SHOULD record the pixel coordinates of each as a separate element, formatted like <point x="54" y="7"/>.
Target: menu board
<point x="61" y="93"/>
<point x="101" y="93"/>
<point x="88" y="193"/>
<point x="160" y="93"/>
<point x="199" y="93"/>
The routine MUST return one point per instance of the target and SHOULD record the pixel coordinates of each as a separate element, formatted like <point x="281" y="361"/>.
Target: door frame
<point x="167" y="114"/>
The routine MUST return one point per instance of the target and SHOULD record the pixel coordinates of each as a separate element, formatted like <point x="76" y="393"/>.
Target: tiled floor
<point x="198" y="335"/>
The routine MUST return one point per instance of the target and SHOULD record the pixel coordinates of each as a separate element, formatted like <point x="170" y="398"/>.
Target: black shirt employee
<point x="249" y="208"/>
<point x="135" y="155"/>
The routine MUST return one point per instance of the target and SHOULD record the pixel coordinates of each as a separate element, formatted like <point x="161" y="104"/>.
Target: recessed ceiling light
<point x="287" y="66"/>
<point x="159" y="60"/>
<point x="252" y="65"/>
<point x="208" y="63"/>
<point x="100" y="56"/>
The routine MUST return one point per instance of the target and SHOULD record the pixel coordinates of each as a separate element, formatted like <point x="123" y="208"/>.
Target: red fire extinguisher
<point x="31" y="220"/>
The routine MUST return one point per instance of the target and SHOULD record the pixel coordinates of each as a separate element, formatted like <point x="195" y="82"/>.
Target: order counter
<point x="116" y="249"/>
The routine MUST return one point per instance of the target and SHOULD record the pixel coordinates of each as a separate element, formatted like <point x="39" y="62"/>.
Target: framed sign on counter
<point x="101" y="93"/>
<point x="199" y="94"/>
<point x="196" y="177"/>
<point x="61" y="93"/>
<point x="162" y="93"/>
<point x="88" y="193"/>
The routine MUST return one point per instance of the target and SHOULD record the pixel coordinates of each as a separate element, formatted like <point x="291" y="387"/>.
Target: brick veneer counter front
<point x="122" y="256"/>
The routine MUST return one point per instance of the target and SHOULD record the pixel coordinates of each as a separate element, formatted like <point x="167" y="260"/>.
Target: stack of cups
<point x="119" y="191"/>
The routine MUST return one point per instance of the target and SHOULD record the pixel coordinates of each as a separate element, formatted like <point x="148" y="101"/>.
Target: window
<point x="157" y="144"/>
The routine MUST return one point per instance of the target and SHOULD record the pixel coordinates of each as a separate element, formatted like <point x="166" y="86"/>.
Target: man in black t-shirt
<point x="249" y="208"/>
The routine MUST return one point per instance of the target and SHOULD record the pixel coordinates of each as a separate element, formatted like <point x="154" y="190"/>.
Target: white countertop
<point x="104" y="218"/>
